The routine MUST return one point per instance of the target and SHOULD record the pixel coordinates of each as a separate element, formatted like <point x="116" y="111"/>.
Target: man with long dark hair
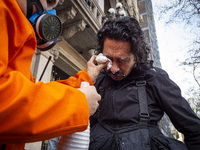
<point x="135" y="96"/>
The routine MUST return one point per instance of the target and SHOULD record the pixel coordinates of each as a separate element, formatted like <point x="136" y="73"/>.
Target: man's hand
<point x="92" y="97"/>
<point x="93" y="69"/>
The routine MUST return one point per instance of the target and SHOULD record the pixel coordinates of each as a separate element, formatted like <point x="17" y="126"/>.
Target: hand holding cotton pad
<point x="102" y="59"/>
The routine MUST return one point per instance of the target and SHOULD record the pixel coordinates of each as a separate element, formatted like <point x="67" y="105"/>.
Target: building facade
<point x="147" y="23"/>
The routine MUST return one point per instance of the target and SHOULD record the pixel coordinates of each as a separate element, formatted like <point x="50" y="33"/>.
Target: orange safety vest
<point x="33" y="111"/>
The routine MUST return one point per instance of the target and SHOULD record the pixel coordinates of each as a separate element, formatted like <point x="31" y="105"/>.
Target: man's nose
<point x="115" y="68"/>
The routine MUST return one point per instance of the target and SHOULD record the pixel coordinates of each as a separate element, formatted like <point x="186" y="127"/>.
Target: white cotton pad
<point x="101" y="59"/>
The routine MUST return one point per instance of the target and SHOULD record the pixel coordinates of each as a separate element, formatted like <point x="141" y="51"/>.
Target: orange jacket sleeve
<point x="33" y="111"/>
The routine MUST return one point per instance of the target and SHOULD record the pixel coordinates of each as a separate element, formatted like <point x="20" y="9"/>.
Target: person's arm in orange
<point x="34" y="111"/>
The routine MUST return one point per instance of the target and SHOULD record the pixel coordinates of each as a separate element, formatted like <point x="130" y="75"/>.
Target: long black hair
<point x="126" y="29"/>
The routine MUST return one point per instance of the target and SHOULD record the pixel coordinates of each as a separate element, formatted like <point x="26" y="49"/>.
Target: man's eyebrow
<point x="120" y="58"/>
<point x="123" y="58"/>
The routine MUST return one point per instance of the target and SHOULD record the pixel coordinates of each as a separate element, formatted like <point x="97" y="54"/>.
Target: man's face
<point x="122" y="58"/>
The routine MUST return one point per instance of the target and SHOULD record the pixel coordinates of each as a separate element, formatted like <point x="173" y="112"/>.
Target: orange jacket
<point x="33" y="111"/>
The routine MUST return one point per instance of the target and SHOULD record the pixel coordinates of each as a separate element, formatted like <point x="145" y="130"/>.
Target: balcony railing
<point x="93" y="10"/>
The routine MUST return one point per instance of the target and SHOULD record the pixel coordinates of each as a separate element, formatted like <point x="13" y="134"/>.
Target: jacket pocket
<point x="160" y="142"/>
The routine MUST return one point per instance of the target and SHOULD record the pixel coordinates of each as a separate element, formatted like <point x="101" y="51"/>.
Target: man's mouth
<point x="117" y="75"/>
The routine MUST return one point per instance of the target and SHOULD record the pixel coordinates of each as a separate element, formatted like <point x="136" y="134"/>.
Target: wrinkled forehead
<point x="116" y="48"/>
